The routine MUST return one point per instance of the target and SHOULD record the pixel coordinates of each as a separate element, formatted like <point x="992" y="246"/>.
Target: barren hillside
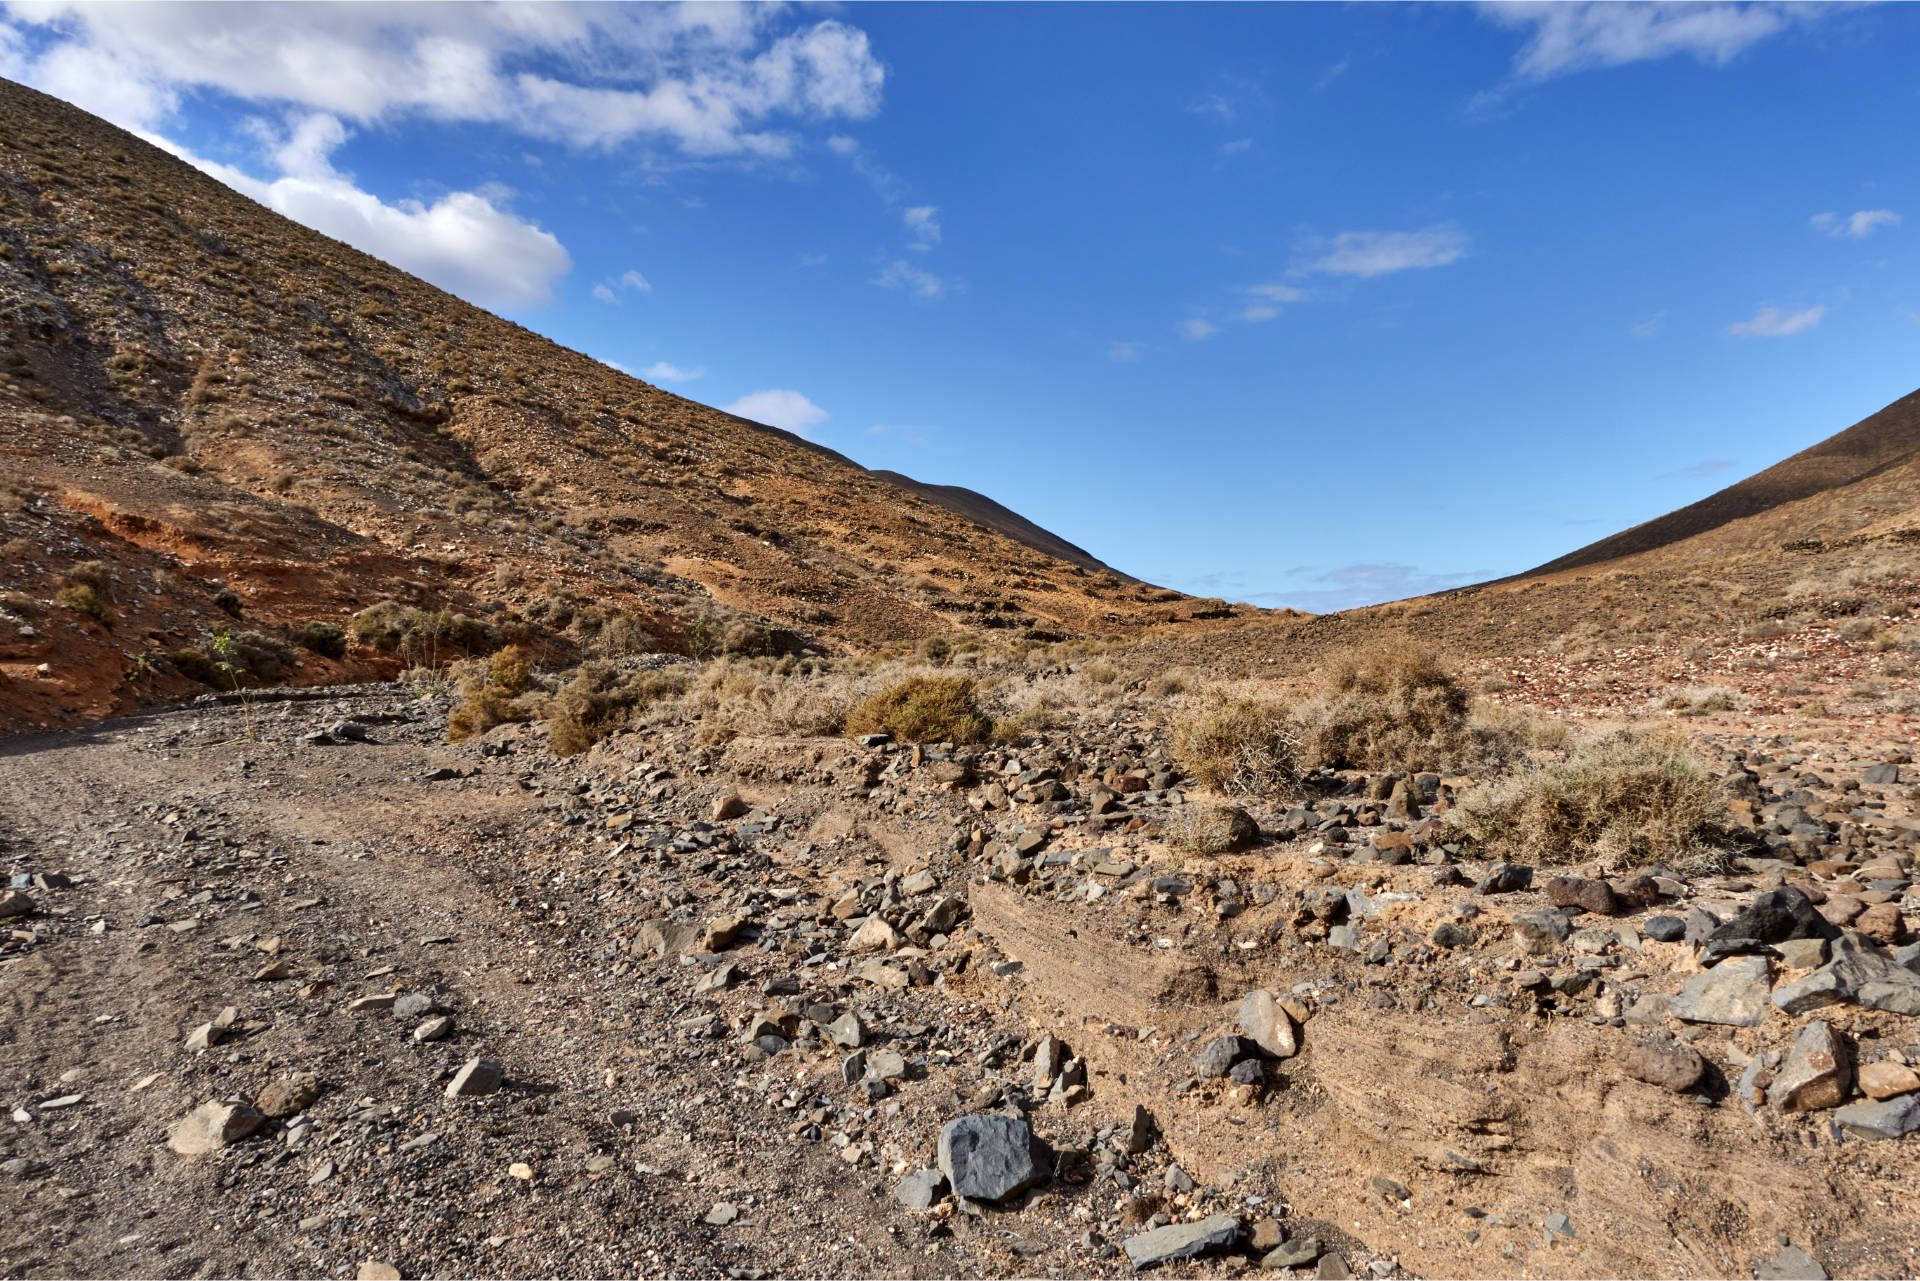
<point x="204" y="402"/>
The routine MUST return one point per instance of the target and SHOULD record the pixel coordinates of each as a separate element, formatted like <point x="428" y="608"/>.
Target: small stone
<point x="921" y="1189"/>
<point x="1887" y="1080"/>
<point x="1392" y="1189"/>
<point x="289" y="1095"/>
<point x="722" y="931"/>
<point x="1452" y="934"/>
<point x="476" y="1077"/>
<point x="1332" y="1268"/>
<point x="376" y="1270"/>
<point x="1540" y="933"/>
<point x="1665" y="929"/>
<point x="722" y="1213"/>
<point x="1674" y="1067"/>
<point x="846" y="1031"/>
<point x="728" y="805"/>
<point x="520" y="1170"/>
<point x="1560" y="1225"/>
<point x="1181" y="1241"/>
<point x="379" y="1003"/>
<point x="15" y="903"/>
<point x="1817" y="1074"/>
<point x="1789" y="1263"/>
<point x="1219" y="1056"/>
<point x="1267" y="1025"/>
<point x="213" y="1126"/>
<point x="875" y="936"/>
<point x="437" y="1028"/>
<point x="1296" y="1253"/>
<point x="1505" y="878"/>
<point x="885" y="1065"/>
<point x="413" y="1005"/>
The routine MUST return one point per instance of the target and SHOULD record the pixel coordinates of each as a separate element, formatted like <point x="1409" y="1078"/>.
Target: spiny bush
<point x="328" y="640"/>
<point x="1388" y="705"/>
<point x="923" y="709"/>
<point x="601" y="699"/>
<point x="81" y="598"/>
<point x="422" y="634"/>
<point x="1627" y="797"/>
<point x="1246" y="746"/>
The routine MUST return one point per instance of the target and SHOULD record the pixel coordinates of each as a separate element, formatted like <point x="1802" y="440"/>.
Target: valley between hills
<point x="469" y="812"/>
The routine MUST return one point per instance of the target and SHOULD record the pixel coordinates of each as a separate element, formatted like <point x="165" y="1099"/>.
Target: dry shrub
<point x="328" y="640"/>
<point x="601" y="698"/>
<point x="1247" y="747"/>
<point x="489" y="691"/>
<point x="81" y="598"/>
<point x="1388" y="705"/>
<point x="923" y="709"/>
<point x="772" y="698"/>
<point x="1627" y="797"/>
<point x="1697" y="700"/>
<point x="1038" y="718"/>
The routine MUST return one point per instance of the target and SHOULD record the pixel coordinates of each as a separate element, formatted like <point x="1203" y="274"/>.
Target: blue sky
<point x="1307" y="305"/>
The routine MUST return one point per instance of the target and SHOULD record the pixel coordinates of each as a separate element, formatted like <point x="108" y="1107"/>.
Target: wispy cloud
<point x="1235" y="147"/>
<point x="1362" y="583"/>
<point x="1651" y="327"/>
<point x="662" y="372"/>
<point x="901" y="274"/>
<point x="1773" y="322"/>
<point x="1856" y="226"/>
<point x="924" y="222"/>
<point x="1332" y="73"/>
<point x="1380" y="253"/>
<point x="1696" y="471"/>
<point x="1563" y="38"/>
<point x="779" y="407"/>
<point x="1197" y="329"/>
<point x="1122" y="353"/>
<point x="633" y="281"/>
<point x="1215" y="105"/>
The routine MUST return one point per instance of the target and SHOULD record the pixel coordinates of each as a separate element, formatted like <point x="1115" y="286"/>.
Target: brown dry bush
<point x="1627" y="797"/>
<point x="923" y="709"/>
<point x="1246" y="746"/>
<point x="601" y="698"/>
<point x="1390" y="704"/>
<point x="490" y="690"/>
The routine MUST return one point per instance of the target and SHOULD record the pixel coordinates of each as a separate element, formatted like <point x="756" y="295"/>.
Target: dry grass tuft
<point x="1247" y="747"/>
<point x="1389" y="705"/>
<point x="601" y="698"/>
<point x="923" y="709"/>
<point x="1628" y="797"/>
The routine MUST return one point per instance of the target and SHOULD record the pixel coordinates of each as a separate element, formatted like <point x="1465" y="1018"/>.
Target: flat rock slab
<point x="1182" y="1240"/>
<point x="1790" y="1263"/>
<point x="1733" y="993"/>
<point x="1881" y="1119"/>
<point x="213" y="1126"/>
<point x="989" y="1158"/>
<point x="1860" y="973"/>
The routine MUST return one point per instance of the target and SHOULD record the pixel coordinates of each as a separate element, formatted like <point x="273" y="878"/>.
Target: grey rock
<point x="1700" y="924"/>
<point x="989" y="1158"/>
<point x="1860" y="972"/>
<point x="886" y="1065"/>
<point x="722" y="1213"/>
<point x="1560" y="1225"/>
<point x="1505" y="878"/>
<point x="1880" y="774"/>
<point x="1220" y="1054"/>
<point x="1182" y="1241"/>
<point x="476" y="1077"/>
<point x="1789" y="1263"/>
<point x="1802" y="954"/>
<point x="413" y="1005"/>
<point x="1176" y="1180"/>
<point x="1452" y="934"/>
<point x="437" y="1028"/>
<point x="1665" y="929"/>
<point x="1267" y="1025"/>
<point x="921" y="1190"/>
<point x="1785" y="913"/>
<point x="1733" y="993"/>
<point x="1296" y="1253"/>
<point x="1248" y="1072"/>
<point x="846" y="1031"/>
<point x="1140" y="1134"/>
<point x="1332" y="1268"/>
<point x="1882" y="1118"/>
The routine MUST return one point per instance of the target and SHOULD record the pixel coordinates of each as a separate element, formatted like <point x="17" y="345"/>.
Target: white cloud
<point x="1214" y="104"/>
<point x="1235" y="147"/>
<point x="1197" y="329"/>
<point x="1276" y="292"/>
<point x="1567" y="37"/>
<point x="1772" y="322"/>
<point x="707" y="79"/>
<point x="788" y="410"/>
<point x="1858" y="225"/>
<point x="1651" y="327"/>
<point x="1122" y="353"/>
<point x="662" y="372"/>
<point x="462" y="242"/>
<point x="636" y="282"/>
<point x="1258" y="311"/>
<point x="924" y="222"/>
<point x="605" y="294"/>
<point x="1378" y="253"/>
<point x="901" y="274"/>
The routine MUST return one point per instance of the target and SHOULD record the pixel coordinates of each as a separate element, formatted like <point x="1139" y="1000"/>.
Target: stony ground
<point x="296" y="988"/>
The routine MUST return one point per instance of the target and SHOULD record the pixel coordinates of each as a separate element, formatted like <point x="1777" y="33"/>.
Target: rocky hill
<point x="216" y="420"/>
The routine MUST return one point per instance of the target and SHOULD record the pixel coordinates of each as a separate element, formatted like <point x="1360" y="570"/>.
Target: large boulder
<point x="989" y="1158"/>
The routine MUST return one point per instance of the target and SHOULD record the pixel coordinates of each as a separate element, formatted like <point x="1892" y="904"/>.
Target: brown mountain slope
<point x="1846" y="482"/>
<point x="983" y="510"/>
<point x="214" y="403"/>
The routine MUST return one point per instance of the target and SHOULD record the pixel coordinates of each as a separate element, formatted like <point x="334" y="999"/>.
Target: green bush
<point x="325" y="639"/>
<point x="1627" y="797"/>
<point x="423" y="635"/>
<point x="81" y="598"/>
<point x="923" y="709"/>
